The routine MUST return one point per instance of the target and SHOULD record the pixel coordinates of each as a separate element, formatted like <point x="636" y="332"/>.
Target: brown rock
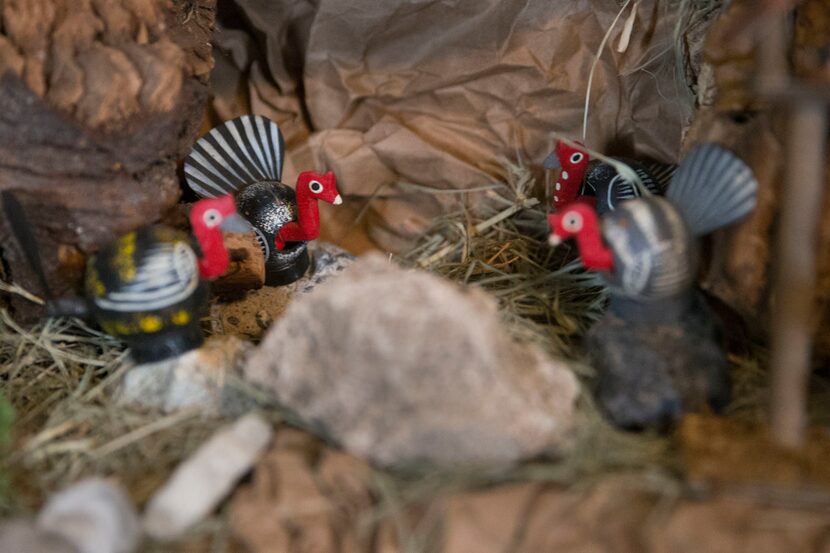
<point x="719" y="451"/>
<point x="298" y="502"/>
<point x="487" y="522"/>
<point x="620" y="515"/>
<point x="401" y="366"/>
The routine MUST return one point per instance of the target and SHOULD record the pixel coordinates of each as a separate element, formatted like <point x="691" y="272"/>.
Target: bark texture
<point x="99" y="100"/>
<point x="732" y="113"/>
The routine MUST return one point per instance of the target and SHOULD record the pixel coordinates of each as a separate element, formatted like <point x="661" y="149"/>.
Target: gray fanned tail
<point x="712" y="188"/>
<point x="237" y="153"/>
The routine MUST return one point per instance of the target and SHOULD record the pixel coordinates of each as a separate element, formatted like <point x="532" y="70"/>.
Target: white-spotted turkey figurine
<point x="148" y="287"/>
<point x="597" y="183"/>
<point x="244" y="157"/>
<point x="657" y="350"/>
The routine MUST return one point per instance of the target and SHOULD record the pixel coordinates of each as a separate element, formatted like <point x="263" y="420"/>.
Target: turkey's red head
<point x="216" y="213"/>
<point x="570" y="222"/>
<point x="208" y="218"/>
<point x="573" y="163"/>
<point x="579" y="220"/>
<point x="319" y="187"/>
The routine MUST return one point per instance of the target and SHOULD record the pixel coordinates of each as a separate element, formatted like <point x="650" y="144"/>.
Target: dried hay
<point x="59" y="377"/>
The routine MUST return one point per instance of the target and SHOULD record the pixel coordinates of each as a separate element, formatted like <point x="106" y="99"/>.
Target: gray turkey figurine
<point x="658" y="350"/>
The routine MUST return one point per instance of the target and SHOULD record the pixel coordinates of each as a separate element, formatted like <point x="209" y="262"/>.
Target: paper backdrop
<point x="440" y="93"/>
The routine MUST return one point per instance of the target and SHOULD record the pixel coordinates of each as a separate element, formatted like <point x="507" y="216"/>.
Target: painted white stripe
<point x="208" y="164"/>
<point x="278" y="153"/>
<point x="147" y="305"/>
<point x="219" y="160"/>
<point x="215" y="189"/>
<point x="240" y="142"/>
<point x="176" y="280"/>
<point x="644" y="220"/>
<point x="231" y="154"/>
<point x="263" y="142"/>
<point x="250" y="133"/>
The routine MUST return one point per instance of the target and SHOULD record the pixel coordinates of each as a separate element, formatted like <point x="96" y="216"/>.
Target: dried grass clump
<point x="546" y="296"/>
<point x="59" y="377"/>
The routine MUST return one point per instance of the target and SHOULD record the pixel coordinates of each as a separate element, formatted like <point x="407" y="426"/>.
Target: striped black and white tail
<point x="660" y="174"/>
<point x="712" y="188"/>
<point x="237" y="153"/>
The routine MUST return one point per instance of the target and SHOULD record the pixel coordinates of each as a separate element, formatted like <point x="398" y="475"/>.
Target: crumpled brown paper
<point x="441" y="93"/>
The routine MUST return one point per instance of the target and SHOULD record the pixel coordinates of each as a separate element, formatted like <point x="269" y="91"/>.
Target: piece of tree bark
<point x="99" y="99"/>
<point x="740" y="268"/>
<point x="247" y="267"/>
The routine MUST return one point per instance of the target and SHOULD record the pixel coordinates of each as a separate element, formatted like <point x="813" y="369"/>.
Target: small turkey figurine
<point x="646" y="248"/>
<point x="147" y="287"/>
<point x="657" y="352"/>
<point x="598" y="183"/>
<point x="244" y="157"/>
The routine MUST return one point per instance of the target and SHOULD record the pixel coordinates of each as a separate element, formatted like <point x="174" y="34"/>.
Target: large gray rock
<point x="402" y="366"/>
<point x="650" y="374"/>
<point x="94" y="515"/>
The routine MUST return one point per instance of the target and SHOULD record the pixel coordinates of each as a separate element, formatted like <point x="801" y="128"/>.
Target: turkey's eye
<point x="572" y="222"/>
<point x="576" y="157"/>
<point x="315" y="186"/>
<point x="212" y="218"/>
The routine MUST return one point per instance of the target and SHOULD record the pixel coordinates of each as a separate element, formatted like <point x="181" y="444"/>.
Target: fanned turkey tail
<point x="235" y="154"/>
<point x="712" y="188"/>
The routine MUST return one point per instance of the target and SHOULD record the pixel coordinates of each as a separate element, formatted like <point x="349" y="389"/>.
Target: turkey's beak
<point x="554" y="240"/>
<point x="552" y="162"/>
<point x="235" y="223"/>
<point x="338" y="200"/>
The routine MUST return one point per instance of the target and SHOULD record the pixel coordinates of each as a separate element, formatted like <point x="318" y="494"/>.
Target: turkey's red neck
<point x="308" y="213"/>
<point x="215" y="258"/>
<point x="593" y="251"/>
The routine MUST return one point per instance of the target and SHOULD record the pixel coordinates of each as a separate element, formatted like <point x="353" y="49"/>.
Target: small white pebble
<point x="94" y="515"/>
<point x="200" y="483"/>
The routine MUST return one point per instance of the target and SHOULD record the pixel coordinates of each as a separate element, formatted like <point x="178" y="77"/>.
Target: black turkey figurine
<point x="598" y="183"/>
<point x="244" y="157"/>
<point x="658" y="350"/>
<point x="147" y="287"/>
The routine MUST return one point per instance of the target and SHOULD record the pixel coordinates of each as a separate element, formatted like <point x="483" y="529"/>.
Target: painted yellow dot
<point x="150" y="323"/>
<point x="109" y="327"/>
<point x="181" y="317"/>
<point x="123" y="329"/>
<point x="98" y="288"/>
